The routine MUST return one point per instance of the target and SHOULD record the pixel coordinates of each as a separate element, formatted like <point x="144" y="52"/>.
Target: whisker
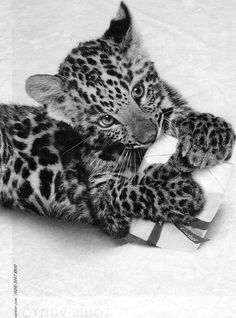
<point x="129" y="162"/>
<point x="79" y="143"/>
<point x="105" y="143"/>
<point x="167" y="111"/>
<point x="135" y="163"/>
<point x="131" y="166"/>
<point x="139" y="157"/>
<point x="96" y="160"/>
<point x="166" y="136"/>
<point x="118" y="162"/>
<point x="170" y="125"/>
<point x="114" y="169"/>
<point x="123" y="164"/>
<point x="122" y="161"/>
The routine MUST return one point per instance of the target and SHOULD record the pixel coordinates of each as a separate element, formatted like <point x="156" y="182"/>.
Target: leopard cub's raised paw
<point x="204" y="141"/>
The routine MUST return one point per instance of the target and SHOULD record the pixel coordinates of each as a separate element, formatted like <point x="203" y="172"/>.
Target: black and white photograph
<point x="117" y="159"/>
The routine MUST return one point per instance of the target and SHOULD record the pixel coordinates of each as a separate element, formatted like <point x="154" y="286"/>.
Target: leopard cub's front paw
<point x="204" y="141"/>
<point x="178" y="198"/>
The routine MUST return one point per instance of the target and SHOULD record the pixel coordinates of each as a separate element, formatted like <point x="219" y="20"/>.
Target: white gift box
<point x="176" y="236"/>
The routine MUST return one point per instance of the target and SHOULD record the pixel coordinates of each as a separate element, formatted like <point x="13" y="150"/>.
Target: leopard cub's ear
<point x="120" y="25"/>
<point x="121" y="29"/>
<point x="44" y="88"/>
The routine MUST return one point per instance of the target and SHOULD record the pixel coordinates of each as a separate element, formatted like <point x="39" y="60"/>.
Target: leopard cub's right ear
<point x="43" y="88"/>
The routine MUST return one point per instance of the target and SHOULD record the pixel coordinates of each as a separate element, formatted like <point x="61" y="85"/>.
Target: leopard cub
<point x="76" y="156"/>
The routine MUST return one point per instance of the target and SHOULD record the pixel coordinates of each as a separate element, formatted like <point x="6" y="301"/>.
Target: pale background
<point x="69" y="270"/>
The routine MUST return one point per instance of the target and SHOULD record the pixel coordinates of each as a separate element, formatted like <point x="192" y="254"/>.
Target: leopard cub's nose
<point x="147" y="137"/>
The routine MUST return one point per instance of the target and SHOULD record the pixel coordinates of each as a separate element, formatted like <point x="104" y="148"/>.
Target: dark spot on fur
<point x="14" y="183"/>
<point x="48" y="158"/>
<point x="41" y="127"/>
<point x="25" y="173"/>
<point x="70" y="59"/>
<point x="137" y="207"/>
<point x="109" y="82"/>
<point x="80" y="61"/>
<point x="6" y="176"/>
<point x="182" y="202"/>
<point x="114" y="73"/>
<point x="39" y="145"/>
<point x="18" y="126"/>
<point x="23" y="129"/>
<point x="40" y="149"/>
<point x="73" y="84"/>
<point x="18" y="164"/>
<point x="123" y="194"/>
<point x="91" y="61"/>
<point x="84" y="95"/>
<point x="25" y="190"/>
<point x="18" y="144"/>
<point x="133" y="196"/>
<point x="40" y="117"/>
<point x="124" y="85"/>
<point x="45" y="176"/>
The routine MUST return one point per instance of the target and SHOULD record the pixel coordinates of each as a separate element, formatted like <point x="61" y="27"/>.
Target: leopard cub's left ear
<point x="48" y="90"/>
<point x="44" y="88"/>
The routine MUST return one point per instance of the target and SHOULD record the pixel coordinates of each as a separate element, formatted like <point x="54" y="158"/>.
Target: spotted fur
<point x="77" y="156"/>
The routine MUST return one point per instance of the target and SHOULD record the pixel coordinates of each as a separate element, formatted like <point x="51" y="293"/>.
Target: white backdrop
<point x="70" y="270"/>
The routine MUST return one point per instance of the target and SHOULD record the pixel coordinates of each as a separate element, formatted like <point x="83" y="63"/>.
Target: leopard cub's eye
<point x="106" y="121"/>
<point x="138" y="91"/>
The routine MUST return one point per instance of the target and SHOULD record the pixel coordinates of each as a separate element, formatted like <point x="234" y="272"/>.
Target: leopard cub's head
<point x="107" y="89"/>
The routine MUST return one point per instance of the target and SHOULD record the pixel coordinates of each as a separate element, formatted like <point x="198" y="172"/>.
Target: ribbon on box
<point x="197" y="223"/>
<point x="155" y="234"/>
<point x="190" y="235"/>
